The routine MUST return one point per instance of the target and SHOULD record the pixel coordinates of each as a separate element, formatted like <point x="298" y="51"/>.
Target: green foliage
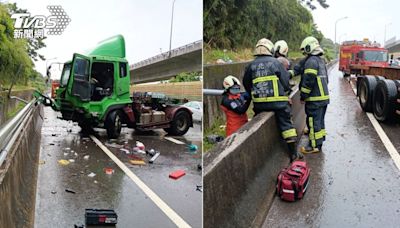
<point x="236" y="24"/>
<point x="186" y="77"/>
<point x="16" y="54"/>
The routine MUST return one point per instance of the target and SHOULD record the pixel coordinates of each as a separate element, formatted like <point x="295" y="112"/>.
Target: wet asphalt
<point x="62" y="140"/>
<point x="354" y="181"/>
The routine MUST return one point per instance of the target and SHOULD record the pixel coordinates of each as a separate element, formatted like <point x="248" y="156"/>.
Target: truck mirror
<point x="48" y="71"/>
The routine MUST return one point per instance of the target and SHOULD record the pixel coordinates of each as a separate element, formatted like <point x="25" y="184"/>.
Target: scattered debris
<point x="42" y="162"/>
<point x="49" y="155"/>
<point x="100" y="217"/>
<point x="52" y="144"/>
<point x="79" y="225"/>
<point x="65" y="153"/>
<point x="91" y="174"/>
<point x="71" y="160"/>
<point x="174" y="140"/>
<point x="53" y="192"/>
<point x="138" y="150"/>
<point x="199" y="167"/>
<point x="76" y="154"/>
<point x="199" y="188"/>
<point x="69" y="130"/>
<point x="113" y="145"/>
<point x="137" y="162"/>
<point x="125" y="150"/>
<point x="177" y="174"/>
<point x="192" y="147"/>
<point x="214" y="138"/>
<point x="95" y="181"/>
<point x="53" y="135"/>
<point x="109" y="171"/>
<point x="63" y="162"/>
<point x="151" y="152"/>
<point x="86" y="157"/>
<point x="134" y="157"/>
<point x="67" y="148"/>
<point x="70" y="191"/>
<point x="140" y="145"/>
<point x="154" y="158"/>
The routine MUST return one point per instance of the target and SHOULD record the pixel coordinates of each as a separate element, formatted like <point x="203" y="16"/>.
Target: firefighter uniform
<point x="235" y="107"/>
<point x="314" y="91"/>
<point x="268" y="83"/>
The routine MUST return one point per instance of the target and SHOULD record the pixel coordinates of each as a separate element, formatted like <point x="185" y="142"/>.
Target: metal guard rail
<point x="10" y="131"/>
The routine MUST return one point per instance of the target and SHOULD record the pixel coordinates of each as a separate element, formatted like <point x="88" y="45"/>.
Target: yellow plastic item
<point x="137" y="162"/>
<point x="304" y="151"/>
<point x="63" y="162"/>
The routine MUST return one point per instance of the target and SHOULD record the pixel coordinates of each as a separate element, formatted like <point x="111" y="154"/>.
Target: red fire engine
<point x="357" y="55"/>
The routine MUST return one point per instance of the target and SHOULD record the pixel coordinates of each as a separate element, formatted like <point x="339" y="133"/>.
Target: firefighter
<point x="234" y="104"/>
<point x="281" y="50"/>
<point x="314" y="93"/>
<point x="268" y="83"/>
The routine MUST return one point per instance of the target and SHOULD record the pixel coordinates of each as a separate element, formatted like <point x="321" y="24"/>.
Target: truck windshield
<point x="375" y="56"/>
<point x="65" y="74"/>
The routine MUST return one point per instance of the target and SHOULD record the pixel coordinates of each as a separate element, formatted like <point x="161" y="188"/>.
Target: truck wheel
<point x="180" y="124"/>
<point x="384" y="102"/>
<point x="113" y="124"/>
<point x="366" y="92"/>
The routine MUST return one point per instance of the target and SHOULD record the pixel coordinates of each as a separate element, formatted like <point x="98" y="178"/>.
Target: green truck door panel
<point x="81" y="78"/>
<point x="122" y="78"/>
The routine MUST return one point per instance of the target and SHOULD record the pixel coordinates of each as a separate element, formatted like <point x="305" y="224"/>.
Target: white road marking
<point x="174" y="140"/>
<point x="172" y="215"/>
<point x="382" y="135"/>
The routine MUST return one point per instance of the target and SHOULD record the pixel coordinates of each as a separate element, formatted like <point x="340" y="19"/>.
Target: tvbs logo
<point x="27" y="26"/>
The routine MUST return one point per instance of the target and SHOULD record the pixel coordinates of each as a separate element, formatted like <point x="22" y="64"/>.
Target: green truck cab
<point x="94" y="91"/>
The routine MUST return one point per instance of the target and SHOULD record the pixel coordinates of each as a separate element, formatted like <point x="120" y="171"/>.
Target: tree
<point x="34" y="44"/>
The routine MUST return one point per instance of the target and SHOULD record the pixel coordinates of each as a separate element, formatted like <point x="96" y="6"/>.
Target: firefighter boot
<point x="309" y="150"/>
<point x="294" y="155"/>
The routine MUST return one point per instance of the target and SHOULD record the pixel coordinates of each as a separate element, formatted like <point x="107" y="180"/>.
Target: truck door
<point x="81" y="78"/>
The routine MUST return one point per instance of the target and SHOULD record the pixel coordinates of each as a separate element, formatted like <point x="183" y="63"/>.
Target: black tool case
<point x="100" y="217"/>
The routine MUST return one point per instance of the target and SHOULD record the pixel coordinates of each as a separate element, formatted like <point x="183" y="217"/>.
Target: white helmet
<point x="230" y="81"/>
<point x="281" y="47"/>
<point x="264" y="47"/>
<point x="310" y="45"/>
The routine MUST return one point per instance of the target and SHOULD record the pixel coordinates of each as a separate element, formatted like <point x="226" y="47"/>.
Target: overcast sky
<point x="367" y="19"/>
<point x="145" y="24"/>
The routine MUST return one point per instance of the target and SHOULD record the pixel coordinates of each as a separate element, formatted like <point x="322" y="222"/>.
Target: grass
<point x="215" y="129"/>
<point x="11" y="113"/>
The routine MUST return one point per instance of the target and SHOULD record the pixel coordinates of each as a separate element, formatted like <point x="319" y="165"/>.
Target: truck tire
<point x="365" y="92"/>
<point x="180" y="124"/>
<point x="384" y="101"/>
<point x="113" y="124"/>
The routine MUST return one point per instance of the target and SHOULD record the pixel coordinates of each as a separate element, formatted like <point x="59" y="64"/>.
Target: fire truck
<point x="357" y="55"/>
<point x="378" y="83"/>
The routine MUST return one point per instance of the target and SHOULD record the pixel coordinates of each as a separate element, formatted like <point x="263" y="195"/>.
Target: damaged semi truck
<point x="94" y="91"/>
<point x="378" y="83"/>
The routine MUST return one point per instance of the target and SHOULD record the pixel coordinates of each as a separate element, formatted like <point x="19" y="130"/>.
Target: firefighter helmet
<point x="264" y="47"/>
<point x="309" y="45"/>
<point x="281" y="47"/>
<point x="230" y="81"/>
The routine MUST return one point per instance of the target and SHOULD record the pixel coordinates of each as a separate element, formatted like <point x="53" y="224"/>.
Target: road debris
<point x="138" y="150"/>
<point x="113" y="145"/>
<point x="177" y="174"/>
<point x="67" y="148"/>
<point x="100" y="217"/>
<point x="42" y="162"/>
<point x="137" y="162"/>
<point x="63" y="162"/>
<point x="71" y="160"/>
<point x="109" y="171"/>
<point x="65" y="153"/>
<point x="53" y="192"/>
<point x="199" y="188"/>
<point x="140" y="145"/>
<point x="70" y="191"/>
<point x="192" y="147"/>
<point x="154" y="158"/>
<point x="174" y="140"/>
<point x="125" y="150"/>
<point x="86" y="157"/>
<point x="199" y="167"/>
<point x="151" y="152"/>
<point x="91" y="174"/>
<point x="214" y="138"/>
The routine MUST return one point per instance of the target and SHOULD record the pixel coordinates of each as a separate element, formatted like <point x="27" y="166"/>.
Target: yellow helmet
<point x="309" y="45"/>
<point x="281" y="47"/>
<point x="264" y="47"/>
<point x="230" y="81"/>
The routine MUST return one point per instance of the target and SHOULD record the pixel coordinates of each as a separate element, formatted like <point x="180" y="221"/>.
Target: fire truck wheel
<point x="365" y="92"/>
<point x="384" y="101"/>
<point x="113" y="124"/>
<point x="180" y="124"/>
